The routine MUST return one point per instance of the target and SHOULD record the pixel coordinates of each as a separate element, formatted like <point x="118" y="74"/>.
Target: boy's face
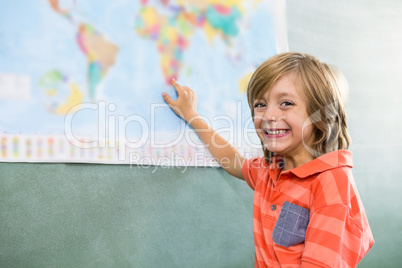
<point x="281" y="120"/>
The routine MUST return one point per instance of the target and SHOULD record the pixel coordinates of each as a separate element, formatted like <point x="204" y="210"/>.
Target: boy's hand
<point x="186" y="104"/>
<point x="186" y="107"/>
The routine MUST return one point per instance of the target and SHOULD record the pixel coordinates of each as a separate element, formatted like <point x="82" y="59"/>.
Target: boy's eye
<point x="259" y="105"/>
<point x="286" y="103"/>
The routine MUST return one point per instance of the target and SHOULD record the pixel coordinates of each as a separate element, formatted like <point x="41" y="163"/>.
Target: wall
<point x="78" y="215"/>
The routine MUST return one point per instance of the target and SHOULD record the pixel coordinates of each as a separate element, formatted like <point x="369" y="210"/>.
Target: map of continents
<point x="100" y="54"/>
<point x="171" y="33"/>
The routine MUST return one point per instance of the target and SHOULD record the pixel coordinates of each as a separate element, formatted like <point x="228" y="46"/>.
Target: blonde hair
<point x="324" y="89"/>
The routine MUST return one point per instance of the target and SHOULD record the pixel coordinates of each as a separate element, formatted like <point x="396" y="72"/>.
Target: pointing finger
<point x="179" y="88"/>
<point x="167" y="98"/>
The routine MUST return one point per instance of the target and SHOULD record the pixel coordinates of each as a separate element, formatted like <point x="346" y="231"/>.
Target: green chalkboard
<point x="79" y="215"/>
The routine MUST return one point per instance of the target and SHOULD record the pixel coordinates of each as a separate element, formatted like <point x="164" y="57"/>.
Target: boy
<point x="307" y="210"/>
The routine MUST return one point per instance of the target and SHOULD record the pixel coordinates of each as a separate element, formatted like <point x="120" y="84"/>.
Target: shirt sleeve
<point x="251" y="170"/>
<point x="338" y="234"/>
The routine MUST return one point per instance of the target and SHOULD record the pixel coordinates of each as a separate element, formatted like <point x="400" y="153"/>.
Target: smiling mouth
<point x="276" y="132"/>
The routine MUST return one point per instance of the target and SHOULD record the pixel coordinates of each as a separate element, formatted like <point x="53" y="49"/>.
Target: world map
<point x="68" y="53"/>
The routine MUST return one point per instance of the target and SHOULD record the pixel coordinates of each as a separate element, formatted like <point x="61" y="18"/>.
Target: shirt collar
<point x="325" y="162"/>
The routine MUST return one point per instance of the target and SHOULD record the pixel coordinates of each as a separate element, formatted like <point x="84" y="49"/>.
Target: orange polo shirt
<point x="310" y="216"/>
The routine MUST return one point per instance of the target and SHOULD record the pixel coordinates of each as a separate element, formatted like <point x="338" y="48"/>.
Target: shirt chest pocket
<point x="291" y="226"/>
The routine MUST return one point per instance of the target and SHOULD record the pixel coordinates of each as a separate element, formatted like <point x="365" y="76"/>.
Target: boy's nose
<point x="271" y="115"/>
<point x="273" y="118"/>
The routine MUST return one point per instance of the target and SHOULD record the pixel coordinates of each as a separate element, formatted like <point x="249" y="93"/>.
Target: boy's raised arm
<point x="186" y="107"/>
